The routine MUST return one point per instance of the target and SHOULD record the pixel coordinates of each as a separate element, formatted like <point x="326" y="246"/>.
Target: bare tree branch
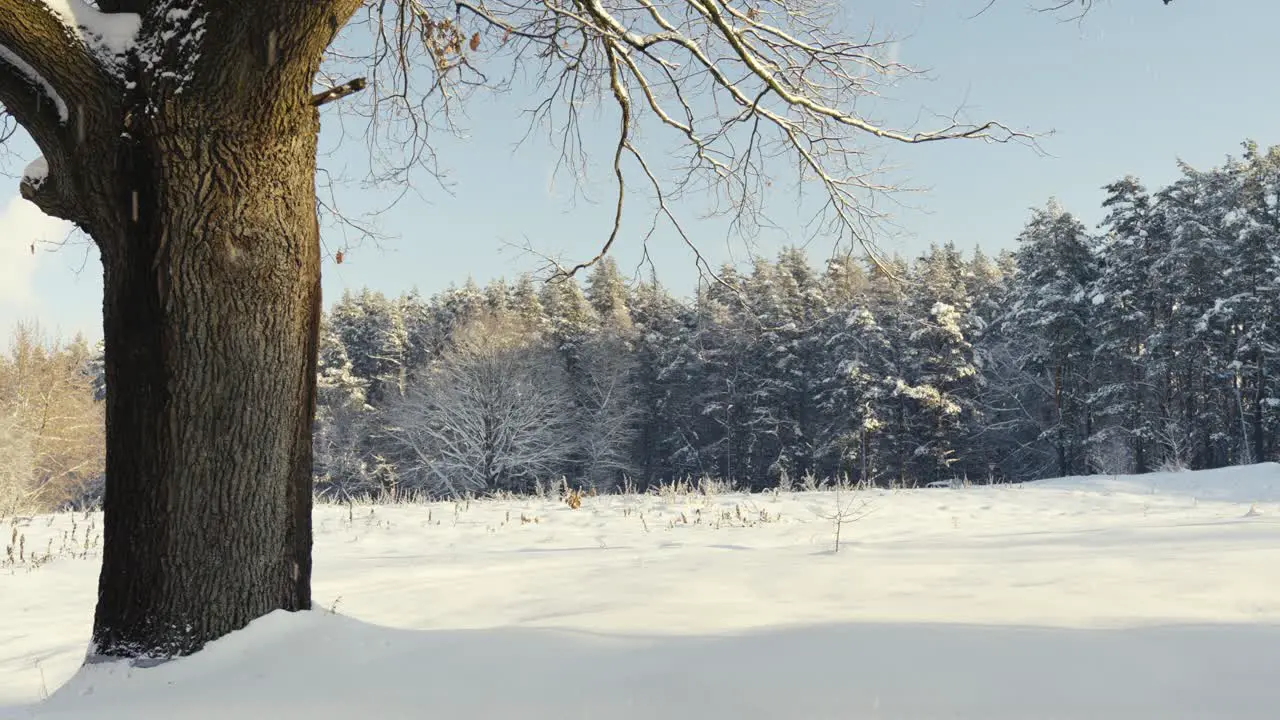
<point x="1058" y="5"/>
<point x="40" y="45"/>
<point x="739" y="87"/>
<point x="54" y="84"/>
<point x="338" y="92"/>
<point x="743" y="90"/>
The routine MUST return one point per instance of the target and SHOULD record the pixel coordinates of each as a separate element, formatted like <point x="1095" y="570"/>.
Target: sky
<point x="1131" y="89"/>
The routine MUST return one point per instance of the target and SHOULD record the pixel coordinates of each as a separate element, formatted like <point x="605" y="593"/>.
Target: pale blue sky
<point x="1134" y="87"/>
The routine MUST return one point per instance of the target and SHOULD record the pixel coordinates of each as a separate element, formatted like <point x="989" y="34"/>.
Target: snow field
<point x="1152" y="596"/>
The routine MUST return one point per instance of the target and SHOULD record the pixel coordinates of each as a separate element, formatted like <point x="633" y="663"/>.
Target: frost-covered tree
<point x="1050" y="321"/>
<point x="1250" y="308"/>
<point x="494" y="413"/>
<point x="940" y="374"/>
<point x="668" y="376"/>
<point x="608" y="294"/>
<point x="607" y="412"/>
<point x="19" y="491"/>
<point x="425" y="330"/>
<point x="721" y="362"/>
<point x="49" y="407"/>
<point x="855" y="393"/>
<point x="1200" y="427"/>
<point x="526" y="306"/>
<point x="372" y="329"/>
<point x="1126" y="310"/>
<point x="343" y="420"/>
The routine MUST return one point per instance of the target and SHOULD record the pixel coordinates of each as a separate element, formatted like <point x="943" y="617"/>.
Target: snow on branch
<point x="31" y="75"/>
<point x="112" y="34"/>
<point x="39" y="185"/>
<point x="61" y="48"/>
<point x="36" y="173"/>
<point x="57" y="62"/>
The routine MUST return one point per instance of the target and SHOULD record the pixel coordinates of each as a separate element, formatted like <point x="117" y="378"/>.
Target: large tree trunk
<point x="191" y="163"/>
<point x="211" y="313"/>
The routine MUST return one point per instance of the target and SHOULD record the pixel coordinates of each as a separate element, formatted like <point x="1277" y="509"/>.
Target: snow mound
<point x="1239" y="484"/>
<point x="318" y="665"/>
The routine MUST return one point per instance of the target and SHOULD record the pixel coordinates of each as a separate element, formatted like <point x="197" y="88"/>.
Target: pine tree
<point x="1255" y="275"/>
<point x="855" y="393"/>
<point x="669" y="373"/>
<point x="373" y="332"/>
<point x="1051" y="318"/>
<point x="527" y="306"/>
<point x="608" y="294"/>
<point x="1196" y="428"/>
<point x="1126" y="309"/>
<point x="343" y="422"/>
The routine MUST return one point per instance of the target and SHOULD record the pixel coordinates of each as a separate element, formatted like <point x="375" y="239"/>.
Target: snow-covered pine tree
<point x="344" y="421"/>
<point x="1195" y="340"/>
<point x="669" y="375"/>
<point x="1050" y="320"/>
<point x="372" y="331"/>
<point x="1125" y="315"/>
<point x="605" y="383"/>
<point x="1255" y="279"/>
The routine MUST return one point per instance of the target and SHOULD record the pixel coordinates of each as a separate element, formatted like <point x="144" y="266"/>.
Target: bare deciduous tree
<point x="181" y="136"/>
<point x="607" y="410"/>
<point x="18" y="490"/>
<point x="494" y="413"/>
<point x="51" y="425"/>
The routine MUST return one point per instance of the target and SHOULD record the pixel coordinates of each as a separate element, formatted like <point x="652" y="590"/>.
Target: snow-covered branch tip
<point x="36" y="173"/>
<point x="338" y="92"/>
<point x="39" y="187"/>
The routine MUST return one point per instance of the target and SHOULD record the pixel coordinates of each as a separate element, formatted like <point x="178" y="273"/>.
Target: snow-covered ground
<point x="1144" y="597"/>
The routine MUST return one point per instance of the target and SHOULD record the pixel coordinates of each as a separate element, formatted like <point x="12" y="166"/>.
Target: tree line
<point x="1145" y="343"/>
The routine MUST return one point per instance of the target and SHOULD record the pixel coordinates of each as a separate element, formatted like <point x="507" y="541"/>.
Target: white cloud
<point x="21" y="225"/>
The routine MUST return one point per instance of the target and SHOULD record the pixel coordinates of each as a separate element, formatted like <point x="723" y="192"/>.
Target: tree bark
<point x="211" y="315"/>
